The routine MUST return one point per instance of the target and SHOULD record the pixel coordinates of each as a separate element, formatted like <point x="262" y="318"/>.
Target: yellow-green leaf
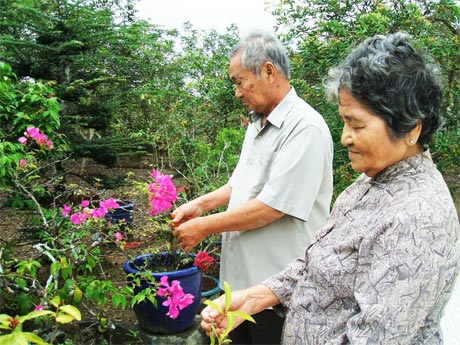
<point x="77" y="295"/>
<point x="243" y="315"/>
<point x="64" y="318"/>
<point x="56" y="301"/>
<point x="228" y="295"/>
<point x="34" y="314"/>
<point x="33" y="338"/>
<point x="213" y="305"/>
<point x="13" y="338"/>
<point x="72" y="311"/>
<point x="230" y="324"/>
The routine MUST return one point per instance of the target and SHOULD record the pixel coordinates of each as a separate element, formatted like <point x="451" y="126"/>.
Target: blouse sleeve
<point x="402" y="271"/>
<point x="282" y="284"/>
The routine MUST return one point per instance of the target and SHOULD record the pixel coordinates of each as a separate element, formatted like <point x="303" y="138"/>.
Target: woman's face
<point x="370" y="147"/>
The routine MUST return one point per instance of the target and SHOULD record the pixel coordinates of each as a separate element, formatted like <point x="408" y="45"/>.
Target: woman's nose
<point x="346" y="138"/>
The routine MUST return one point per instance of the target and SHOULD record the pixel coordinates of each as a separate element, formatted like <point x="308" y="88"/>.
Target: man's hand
<point x="190" y="233"/>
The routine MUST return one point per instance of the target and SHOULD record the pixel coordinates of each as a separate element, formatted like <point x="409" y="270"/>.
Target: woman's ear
<point x="414" y="134"/>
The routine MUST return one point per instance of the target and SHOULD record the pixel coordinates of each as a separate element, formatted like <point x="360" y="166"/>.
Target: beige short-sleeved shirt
<point x="287" y="165"/>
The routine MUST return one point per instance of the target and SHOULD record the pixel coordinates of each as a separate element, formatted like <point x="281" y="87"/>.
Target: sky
<point x="208" y="14"/>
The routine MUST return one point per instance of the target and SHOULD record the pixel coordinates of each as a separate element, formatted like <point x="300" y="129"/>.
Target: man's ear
<point x="269" y="70"/>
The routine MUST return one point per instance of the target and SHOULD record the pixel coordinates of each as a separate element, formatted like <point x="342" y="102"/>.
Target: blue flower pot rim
<point x="125" y="205"/>
<point x="127" y="267"/>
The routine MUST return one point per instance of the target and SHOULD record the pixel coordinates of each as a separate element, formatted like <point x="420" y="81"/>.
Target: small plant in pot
<point x="166" y="285"/>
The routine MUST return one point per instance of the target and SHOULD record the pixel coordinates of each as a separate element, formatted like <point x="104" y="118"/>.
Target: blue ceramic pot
<point x="124" y="212"/>
<point x="154" y="319"/>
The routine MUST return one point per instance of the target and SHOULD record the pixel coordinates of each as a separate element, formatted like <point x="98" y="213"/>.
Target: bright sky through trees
<point x="208" y="14"/>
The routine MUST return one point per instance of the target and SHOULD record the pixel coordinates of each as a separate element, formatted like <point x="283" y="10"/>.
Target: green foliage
<point x="23" y="105"/>
<point x="322" y="33"/>
<point x="108" y="150"/>
<point x="63" y="314"/>
<point x="205" y="166"/>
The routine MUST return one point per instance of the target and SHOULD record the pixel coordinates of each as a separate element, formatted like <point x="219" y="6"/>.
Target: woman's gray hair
<point x="395" y="81"/>
<point x="259" y="47"/>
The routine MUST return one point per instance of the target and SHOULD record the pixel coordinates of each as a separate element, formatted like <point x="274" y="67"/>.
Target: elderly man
<point x="279" y="193"/>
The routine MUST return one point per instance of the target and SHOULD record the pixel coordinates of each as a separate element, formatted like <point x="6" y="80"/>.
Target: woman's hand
<point x="211" y="318"/>
<point x="250" y="301"/>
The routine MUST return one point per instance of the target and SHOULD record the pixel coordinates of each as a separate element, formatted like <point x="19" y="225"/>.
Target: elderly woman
<point x="382" y="267"/>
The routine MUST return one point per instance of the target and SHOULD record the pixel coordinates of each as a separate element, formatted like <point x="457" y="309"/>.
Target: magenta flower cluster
<point x="162" y="193"/>
<point x="176" y="299"/>
<point x="40" y="138"/>
<point x="86" y="212"/>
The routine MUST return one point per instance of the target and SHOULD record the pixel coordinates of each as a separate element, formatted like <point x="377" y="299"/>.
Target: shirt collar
<point x="408" y="166"/>
<point x="278" y="115"/>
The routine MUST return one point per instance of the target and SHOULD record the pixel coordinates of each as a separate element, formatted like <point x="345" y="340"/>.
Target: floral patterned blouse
<point x="382" y="268"/>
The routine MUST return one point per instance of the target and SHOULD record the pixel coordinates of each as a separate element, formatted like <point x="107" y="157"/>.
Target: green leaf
<point x="64" y="318"/>
<point x="13" y="338"/>
<point x="228" y="295"/>
<point x="33" y="338"/>
<point x="34" y="314"/>
<point x="230" y="324"/>
<point x="243" y="315"/>
<point x="55" y="301"/>
<point x="72" y="311"/>
<point x="213" y="305"/>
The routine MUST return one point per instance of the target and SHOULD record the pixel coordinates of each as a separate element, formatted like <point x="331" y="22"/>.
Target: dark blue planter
<point x="124" y="212"/>
<point x="154" y="319"/>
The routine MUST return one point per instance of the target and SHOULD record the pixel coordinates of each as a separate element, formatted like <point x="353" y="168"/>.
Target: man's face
<point x="253" y="90"/>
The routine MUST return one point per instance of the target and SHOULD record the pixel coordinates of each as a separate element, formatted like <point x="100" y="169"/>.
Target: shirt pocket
<point x="257" y="172"/>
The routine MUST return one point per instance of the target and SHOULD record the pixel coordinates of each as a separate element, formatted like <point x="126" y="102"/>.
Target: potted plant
<point x="123" y="214"/>
<point x="175" y="295"/>
<point x="167" y="284"/>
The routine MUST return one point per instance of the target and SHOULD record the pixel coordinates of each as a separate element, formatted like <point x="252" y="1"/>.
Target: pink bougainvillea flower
<point x="203" y="261"/>
<point x="40" y="138"/>
<point x="164" y="290"/>
<point x="118" y="236"/>
<point x="39" y="307"/>
<point x="32" y="132"/>
<point x="109" y="204"/>
<point x="66" y="210"/>
<point x="22" y="162"/>
<point x="175" y="298"/>
<point x="162" y="193"/>
<point x="98" y="212"/>
<point x="84" y="203"/>
<point x="77" y="218"/>
<point x="185" y="300"/>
